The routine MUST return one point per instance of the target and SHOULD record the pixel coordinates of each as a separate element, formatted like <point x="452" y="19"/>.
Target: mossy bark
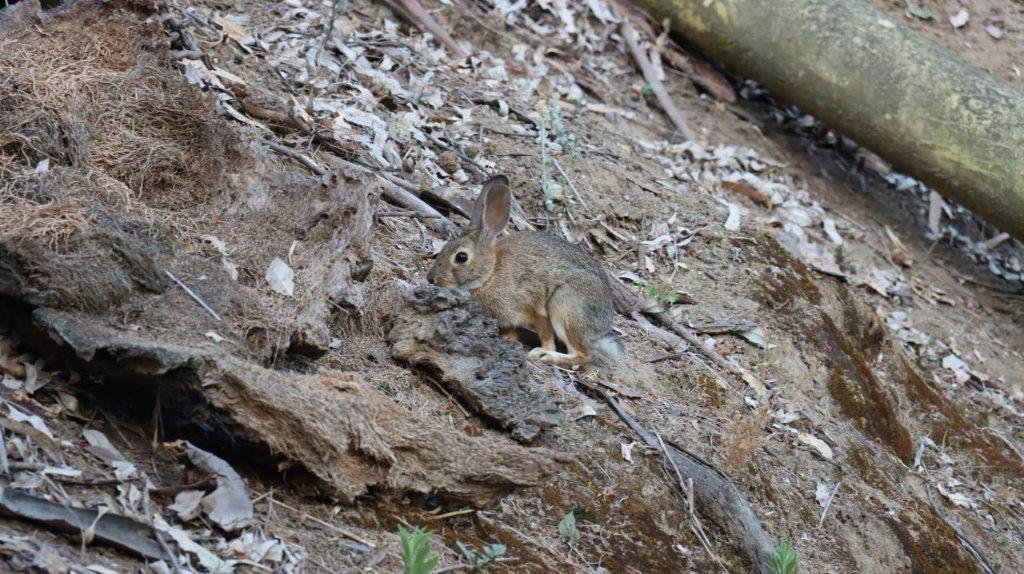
<point x="933" y="115"/>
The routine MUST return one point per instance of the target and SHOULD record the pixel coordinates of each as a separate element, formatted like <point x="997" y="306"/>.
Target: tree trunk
<point x="934" y="116"/>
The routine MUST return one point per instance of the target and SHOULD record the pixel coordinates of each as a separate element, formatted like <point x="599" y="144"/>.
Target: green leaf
<point x="785" y="559"/>
<point x="918" y="11"/>
<point x="567" y="528"/>
<point x="416" y="551"/>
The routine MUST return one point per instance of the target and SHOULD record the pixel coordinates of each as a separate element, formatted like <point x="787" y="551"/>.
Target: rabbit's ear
<point x="492" y="209"/>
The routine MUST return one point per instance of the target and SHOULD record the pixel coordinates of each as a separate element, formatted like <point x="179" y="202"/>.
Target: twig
<point x="193" y="295"/>
<point x="695" y="525"/>
<point x="572" y="187"/>
<point x="718" y="496"/>
<point x="403" y="198"/>
<point x="426" y="22"/>
<point x="297" y="156"/>
<point x="651" y="76"/>
<point x="4" y="468"/>
<point x="972" y="549"/>
<point x="411" y="214"/>
<point x="325" y="524"/>
<point x="453" y="513"/>
<point x="824" y="511"/>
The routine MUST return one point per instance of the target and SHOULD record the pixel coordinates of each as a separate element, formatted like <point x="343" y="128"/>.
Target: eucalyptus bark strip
<point x="931" y="114"/>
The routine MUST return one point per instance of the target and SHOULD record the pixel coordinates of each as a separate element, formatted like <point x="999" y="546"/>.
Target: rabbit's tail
<point x="610" y="346"/>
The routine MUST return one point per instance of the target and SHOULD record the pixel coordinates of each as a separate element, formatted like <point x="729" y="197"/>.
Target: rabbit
<point x="531" y="279"/>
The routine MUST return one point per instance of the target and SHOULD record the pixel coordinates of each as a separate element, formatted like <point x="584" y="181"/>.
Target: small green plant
<point x="479" y="560"/>
<point x="567" y="527"/>
<point x="547" y="183"/>
<point x="416" y="551"/>
<point x="664" y="295"/>
<point x="785" y="559"/>
<point x="565" y="139"/>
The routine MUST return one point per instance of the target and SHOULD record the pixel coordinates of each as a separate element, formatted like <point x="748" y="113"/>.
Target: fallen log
<point x="931" y="114"/>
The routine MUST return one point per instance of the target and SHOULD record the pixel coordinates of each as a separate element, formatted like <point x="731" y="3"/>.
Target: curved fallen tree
<point x="933" y="115"/>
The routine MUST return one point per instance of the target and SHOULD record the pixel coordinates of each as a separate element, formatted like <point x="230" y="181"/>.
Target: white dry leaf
<point x="11" y="383"/>
<point x="732" y="223"/>
<point x="935" y="208"/>
<point x="817" y="444"/>
<point x="994" y="30"/>
<point x="213" y="336"/>
<point x="584" y="411"/>
<point x="100" y="569"/>
<point x="228" y="505"/>
<point x="959" y="368"/>
<point x="959" y="20"/>
<point x="958" y="499"/>
<point x="755" y="336"/>
<point x="187" y="504"/>
<point x="627" y="451"/>
<point x="601" y="11"/>
<point x="123" y="470"/>
<point x="829" y="225"/>
<point x="61" y="471"/>
<point x="43" y="166"/>
<point x="33" y="420"/>
<point x="234" y="26"/>
<point x="786" y="417"/>
<point x="207" y="559"/>
<point x="98" y="440"/>
<point x="822" y="494"/>
<point x="281" y="277"/>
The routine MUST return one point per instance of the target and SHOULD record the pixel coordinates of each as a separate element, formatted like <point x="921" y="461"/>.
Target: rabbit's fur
<point x="531" y="279"/>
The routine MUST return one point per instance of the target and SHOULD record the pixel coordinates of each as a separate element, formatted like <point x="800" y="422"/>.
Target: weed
<point x="416" y="551"/>
<point x="568" y="141"/>
<point x="479" y="560"/>
<point x="567" y="527"/>
<point x="785" y="559"/>
<point x="548" y="185"/>
<point x="662" y="294"/>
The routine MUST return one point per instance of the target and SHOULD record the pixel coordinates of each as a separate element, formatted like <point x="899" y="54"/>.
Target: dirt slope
<point x="883" y="411"/>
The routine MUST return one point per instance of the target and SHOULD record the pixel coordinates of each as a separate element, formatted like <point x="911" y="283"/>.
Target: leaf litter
<point x="381" y="66"/>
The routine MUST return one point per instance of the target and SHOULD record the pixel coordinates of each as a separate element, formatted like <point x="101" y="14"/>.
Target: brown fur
<point x="531" y="279"/>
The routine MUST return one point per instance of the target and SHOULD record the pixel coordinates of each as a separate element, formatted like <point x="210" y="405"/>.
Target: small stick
<point x="453" y="513"/>
<point x="575" y="191"/>
<point x="651" y="76"/>
<point x="405" y="199"/>
<point x="971" y="548"/>
<point x="325" y="524"/>
<point x="299" y="157"/>
<point x="193" y="295"/>
<point x="824" y="511"/>
<point x="426" y="22"/>
<point x="687" y="486"/>
<point x="4" y="468"/>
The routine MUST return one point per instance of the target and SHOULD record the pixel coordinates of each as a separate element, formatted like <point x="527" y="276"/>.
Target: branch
<point x="651" y="76"/>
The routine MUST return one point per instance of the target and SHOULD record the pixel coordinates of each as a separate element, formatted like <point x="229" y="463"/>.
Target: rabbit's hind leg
<point x="575" y="343"/>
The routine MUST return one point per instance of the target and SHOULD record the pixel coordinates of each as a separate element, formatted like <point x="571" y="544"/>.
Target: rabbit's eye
<point x="461" y="257"/>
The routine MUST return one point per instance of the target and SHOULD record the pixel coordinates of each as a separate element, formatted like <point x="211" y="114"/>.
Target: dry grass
<point x="746" y="435"/>
<point x="89" y="95"/>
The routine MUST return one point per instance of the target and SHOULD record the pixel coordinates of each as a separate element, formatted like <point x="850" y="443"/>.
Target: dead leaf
<point x="959" y="20"/>
<point x="111" y="529"/>
<point x="281" y="277"/>
<point x="187" y="504"/>
<point x="817" y="444"/>
<point x="822" y="494"/>
<point x="229" y="504"/>
<point x="627" y="451"/>
<point x="994" y="30"/>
